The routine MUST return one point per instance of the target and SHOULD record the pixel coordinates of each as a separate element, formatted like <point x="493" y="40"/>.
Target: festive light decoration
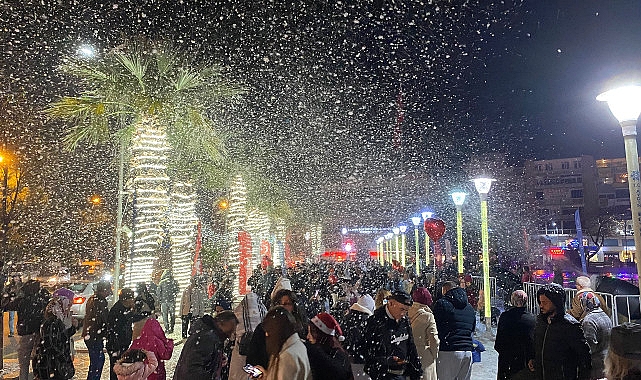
<point x="279" y="243"/>
<point x="236" y="218"/>
<point x="316" y="230"/>
<point x="182" y="231"/>
<point x="258" y="226"/>
<point x="150" y="182"/>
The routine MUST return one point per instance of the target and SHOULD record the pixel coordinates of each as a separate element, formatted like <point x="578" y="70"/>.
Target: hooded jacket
<point x="152" y="338"/>
<point x="353" y="326"/>
<point x="561" y="352"/>
<point x="455" y="321"/>
<point x="201" y="356"/>
<point x="137" y="370"/>
<point x="425" y="338"/>
<point x="119" y="324"/>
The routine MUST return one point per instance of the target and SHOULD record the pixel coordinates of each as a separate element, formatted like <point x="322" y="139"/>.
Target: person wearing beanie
<point x="424" y="331"/>
<point x="455" y="321"/>
<point x="327" y="358"/>
<point x="353" y="326"/>
<point x="624" y="355"/>
<point x="515" y="338"/>
<point x="388" y="348"/>
<point x="596" y="328"/>
<point x="560" y="349"/>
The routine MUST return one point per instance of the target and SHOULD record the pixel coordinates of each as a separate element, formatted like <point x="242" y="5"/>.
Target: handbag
<point x="245" y="339"/>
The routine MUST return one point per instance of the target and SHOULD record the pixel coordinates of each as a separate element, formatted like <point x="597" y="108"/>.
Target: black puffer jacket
<point x="328" y="363"/>
<point x="561" y="350"/>
<point x="455" y="321"/>
<point x="119" y="324"/>
<point x="353" y="327"/>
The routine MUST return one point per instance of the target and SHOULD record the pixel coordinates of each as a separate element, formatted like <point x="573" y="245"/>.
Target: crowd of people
<point x="322" y="321"/>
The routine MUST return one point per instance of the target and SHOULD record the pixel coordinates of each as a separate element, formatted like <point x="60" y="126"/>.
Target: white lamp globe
<point x="403" y="229"/>
<point x="427" y="214"/>
<point x="483" y="184"/>
<point x="458" y="198"/>
<point x="416" y="220"/>
<point x="396" y="230"/>
<point x="389" y="235"/>
<point x="624" y="102"/>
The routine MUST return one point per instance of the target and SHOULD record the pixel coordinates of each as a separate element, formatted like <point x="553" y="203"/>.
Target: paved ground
<point x="485" y="370"/>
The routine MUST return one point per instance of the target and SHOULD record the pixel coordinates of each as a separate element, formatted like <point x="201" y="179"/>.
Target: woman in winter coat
<point x="136" y="364"/>
<point x="596" y="328"/>
<point x="52" y="358"/>
<point x="327" y="358"/>
<point x="424" y="332"/>
<point x="353" y="325"/>
<point x="250" y="313"/>
<point x="152" y="338"/>
<point x="287" y="353"/>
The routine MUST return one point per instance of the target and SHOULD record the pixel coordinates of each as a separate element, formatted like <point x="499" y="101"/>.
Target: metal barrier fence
<point x="623" y="308"/>
<point x="478" y="281"/>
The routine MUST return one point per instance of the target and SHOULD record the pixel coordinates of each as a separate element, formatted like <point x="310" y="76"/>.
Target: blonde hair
<point x="381" y="295"/>
<point x="617" y="367"/>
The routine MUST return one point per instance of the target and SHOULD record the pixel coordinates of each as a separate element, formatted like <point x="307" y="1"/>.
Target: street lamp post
<point x="380" y="249"/>
<point x="427" y="215"/>
<point x="625" y="105"/>
<point x="416" y="221"/>
<point x="388" y="237"/>
<point x="483" y="186"/>
<point x="403" y="244"/>
<point x="396" y="231"/>
<point x="459" y="199"/>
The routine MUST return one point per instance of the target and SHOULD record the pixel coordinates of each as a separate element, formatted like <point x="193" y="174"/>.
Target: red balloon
<point x="435" y="228"/>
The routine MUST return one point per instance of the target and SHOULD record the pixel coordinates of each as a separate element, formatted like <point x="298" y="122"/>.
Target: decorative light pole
<point x="426" y="215"/>
<point x="416" y="220"/>
<point x="625" y="105"/>
<point x="396" y="231"/>
<point x="483" y="186"/>
<point x="388" y="237"/>
<point x="459" y="198"/>
<point x="403" y="244"/>
<point x="380" y="249"/>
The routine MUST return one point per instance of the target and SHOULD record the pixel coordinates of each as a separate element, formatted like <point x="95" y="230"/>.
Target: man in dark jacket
<point x="94" y="330"/>
<point x="167" y="292"/>
<point x="202" y="356"/>
<point x="388" y="347"/>
<point x="455" y="322"/>
<point x="515" y="337"/>
<point x="119" y="321"/>
<point x="561" y="352"/>
<point x="30" y="307"/>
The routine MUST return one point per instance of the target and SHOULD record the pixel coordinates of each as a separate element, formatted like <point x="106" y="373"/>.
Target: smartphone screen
<point x="253" y="371"/>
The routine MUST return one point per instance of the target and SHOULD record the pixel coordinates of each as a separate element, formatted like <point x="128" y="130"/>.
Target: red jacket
<point x="152" y="338"/>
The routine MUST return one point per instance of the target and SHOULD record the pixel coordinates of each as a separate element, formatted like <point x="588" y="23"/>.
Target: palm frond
<point x="186" y="80"/>
<point x="136" y="65"/>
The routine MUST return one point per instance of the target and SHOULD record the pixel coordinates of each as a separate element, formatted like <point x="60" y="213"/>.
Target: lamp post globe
<point x="625" y="105"/>
<point x="416" y="221"/>
<point x="483" y="186"/>
<point x="426" y="215"/>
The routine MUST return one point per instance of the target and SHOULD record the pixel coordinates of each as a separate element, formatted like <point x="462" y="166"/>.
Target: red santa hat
<point x="328" y="325"/>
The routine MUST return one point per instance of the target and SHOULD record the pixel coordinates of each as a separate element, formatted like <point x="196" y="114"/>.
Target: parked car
<point x="82" y="290"/>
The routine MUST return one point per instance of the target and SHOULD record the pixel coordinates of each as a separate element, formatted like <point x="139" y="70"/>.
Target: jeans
<point x="96" y="358"/>
<point x="25" y="347"/>
<point x="185" y="320"/>
<point x="12" y="317"/>
<point x="169" y="315"/>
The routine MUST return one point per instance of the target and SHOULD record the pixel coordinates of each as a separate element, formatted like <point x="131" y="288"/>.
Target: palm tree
<point x="153" y="103"/>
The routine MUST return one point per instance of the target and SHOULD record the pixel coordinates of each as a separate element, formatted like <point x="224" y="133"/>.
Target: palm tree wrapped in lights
<point x="153" y="104"/>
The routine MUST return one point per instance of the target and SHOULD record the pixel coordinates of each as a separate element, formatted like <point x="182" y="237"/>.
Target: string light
<point x="236" y="217"/>
<point x="182" y="229"/>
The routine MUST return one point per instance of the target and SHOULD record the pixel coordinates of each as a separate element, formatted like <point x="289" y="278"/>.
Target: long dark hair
<point x="327" y="341"/>
<point x="299" y="316"/>
<point x="279" y="324"/>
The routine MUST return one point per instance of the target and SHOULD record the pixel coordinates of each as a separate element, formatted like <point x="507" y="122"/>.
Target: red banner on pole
<point x="245" y="260"/>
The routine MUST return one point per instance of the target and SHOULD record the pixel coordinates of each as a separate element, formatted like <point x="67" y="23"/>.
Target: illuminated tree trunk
<point x="150" y="182"/>
<point x="182" y="230"/>
<point x="236" y="219"/>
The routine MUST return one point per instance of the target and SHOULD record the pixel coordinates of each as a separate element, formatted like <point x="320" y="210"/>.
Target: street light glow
<point x="624" y="102"/>
<point x="427" y="214"/>
<point x="483" y="184"/>
<point x="344" y="231"/>
<point x="458" y="198"/>
<point x="396" y="230"/>
<point x="416" y="221"/>
<point x="403" y="229"/>
<point x="86" y="51"/>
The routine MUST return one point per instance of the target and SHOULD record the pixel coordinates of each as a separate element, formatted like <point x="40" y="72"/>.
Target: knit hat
<point x="126" y="294"/>
<point x="625" y="340"/>
<point x="367" y="302"/>
<point x="328" y="325"/>
<point x="401" y="297"/>
<point x="282" y="283"/>
<point x="556" y="294"/>
<point x="422" y="296"/>
<point x="589" y="301"/>
<point x="64" y="292"/>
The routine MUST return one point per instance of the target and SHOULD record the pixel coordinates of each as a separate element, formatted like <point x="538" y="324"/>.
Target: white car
<point x="82" y="292"/>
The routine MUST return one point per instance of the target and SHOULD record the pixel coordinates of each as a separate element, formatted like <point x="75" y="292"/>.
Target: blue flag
<point x="579" y="238"/>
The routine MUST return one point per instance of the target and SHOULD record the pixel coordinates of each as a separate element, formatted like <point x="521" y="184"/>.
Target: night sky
<point x="512" y="77"/>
